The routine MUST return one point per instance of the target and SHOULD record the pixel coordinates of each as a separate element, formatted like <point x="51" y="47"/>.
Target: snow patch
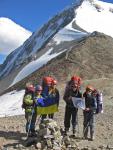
<point x="34" y="65"/>
<point x="68" y="33"/>
<point x="10" y="104"/>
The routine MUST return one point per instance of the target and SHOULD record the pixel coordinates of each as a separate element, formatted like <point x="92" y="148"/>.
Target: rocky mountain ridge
<point x="30" y="47"/>
<point x="85" y="58"/>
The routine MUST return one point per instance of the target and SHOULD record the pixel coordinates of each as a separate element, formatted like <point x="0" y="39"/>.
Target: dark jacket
<point x="69" y="94"/>
<point x="56" y="96"/>
<point x="90" y="101"/>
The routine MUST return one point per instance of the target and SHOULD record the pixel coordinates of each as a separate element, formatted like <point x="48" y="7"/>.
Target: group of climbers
<point x="41" y="100"/>
<point x="44" y="101"/>
<point x="93" y="105"/>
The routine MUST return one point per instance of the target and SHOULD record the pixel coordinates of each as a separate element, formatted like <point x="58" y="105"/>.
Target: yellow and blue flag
<point x="46" y="105"/>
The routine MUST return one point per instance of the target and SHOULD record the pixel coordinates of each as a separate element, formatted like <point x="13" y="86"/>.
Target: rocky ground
<point x="13" y="136"/>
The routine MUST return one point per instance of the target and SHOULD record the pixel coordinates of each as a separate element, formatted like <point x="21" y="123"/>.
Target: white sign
<point x="78" y="102"/>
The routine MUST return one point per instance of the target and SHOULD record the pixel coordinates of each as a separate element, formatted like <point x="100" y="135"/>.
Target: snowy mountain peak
<point x="95" y="16"/>
<point x="100" y="5"/>
<point x="12" y="35"/>
<point x="57" y="35"/>
<point x="39" y="39"/>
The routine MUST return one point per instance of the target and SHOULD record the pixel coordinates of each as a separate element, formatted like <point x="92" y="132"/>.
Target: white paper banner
<point x="78" y="102"/>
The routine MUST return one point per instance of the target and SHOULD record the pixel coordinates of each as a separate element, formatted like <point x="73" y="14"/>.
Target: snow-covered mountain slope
<point x="31" y="47"/>
<point x="12" y="35"/>
<point x="34" y="65"/>
<point x="95" y="16"/>
<point x="91" y="58"/>
<point x="72" y="24"/>
<point x="68" y="33"/>
<point x="10" y="104"/>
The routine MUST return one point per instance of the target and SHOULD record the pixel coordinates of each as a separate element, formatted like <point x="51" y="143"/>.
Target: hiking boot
<point x="92" y="138"/>
<point x="74" y="133"/>
<point x="85" y="137"/>
<point x="33" y="134"/>
<point x="66" y="131"/>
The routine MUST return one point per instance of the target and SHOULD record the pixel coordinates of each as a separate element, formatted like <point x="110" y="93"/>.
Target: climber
<point x="71" y="90"/>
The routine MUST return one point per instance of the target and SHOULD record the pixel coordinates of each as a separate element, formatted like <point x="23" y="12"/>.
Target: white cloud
<point x="12" y="35"/>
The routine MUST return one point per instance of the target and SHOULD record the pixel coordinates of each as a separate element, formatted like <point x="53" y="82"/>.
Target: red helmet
<point x="89" y="87"/>
<point x="47" y="80"/>
<point x="76" y="79"/>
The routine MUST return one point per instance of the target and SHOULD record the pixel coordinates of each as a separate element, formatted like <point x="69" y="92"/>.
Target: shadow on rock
<point x="12" y="135"/>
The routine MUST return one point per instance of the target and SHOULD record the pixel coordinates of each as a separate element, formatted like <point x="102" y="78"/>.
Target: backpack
<point x="27" y="101"/>
<point x="99" y="100"/>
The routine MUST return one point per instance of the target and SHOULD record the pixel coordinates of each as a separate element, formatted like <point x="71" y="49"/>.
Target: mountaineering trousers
<point x="28" y="117"/>
<point x="31" y="120"/>
<point x="70" y="112"/>
<point x="89" y="122"/>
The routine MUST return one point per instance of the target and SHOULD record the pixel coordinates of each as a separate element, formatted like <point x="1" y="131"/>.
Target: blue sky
<point x="31" y="14"/>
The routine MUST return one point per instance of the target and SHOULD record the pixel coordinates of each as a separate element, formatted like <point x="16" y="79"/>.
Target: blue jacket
<point x="52" y="94"/>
